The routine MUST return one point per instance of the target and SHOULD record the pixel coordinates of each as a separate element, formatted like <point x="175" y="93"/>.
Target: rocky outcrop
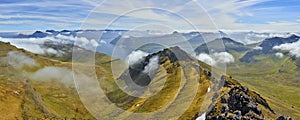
<point x="238" y="102"/>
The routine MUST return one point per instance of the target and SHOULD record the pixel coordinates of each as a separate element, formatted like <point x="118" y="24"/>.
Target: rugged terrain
<point x="27" y="95"/>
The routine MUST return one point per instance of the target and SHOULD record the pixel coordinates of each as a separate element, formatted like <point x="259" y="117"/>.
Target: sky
<point x="180" y="15"/>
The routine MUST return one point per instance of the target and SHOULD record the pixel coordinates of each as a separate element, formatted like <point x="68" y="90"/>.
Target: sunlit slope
<point x="192" y="73"/>
<point x="43" y="88"/>
<point x="25" y="96"/>
<point x="178" y="76"/>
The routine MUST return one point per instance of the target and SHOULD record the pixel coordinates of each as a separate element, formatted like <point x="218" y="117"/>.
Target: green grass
<point x="38" y="101"/>
<point x="280" y="89"/>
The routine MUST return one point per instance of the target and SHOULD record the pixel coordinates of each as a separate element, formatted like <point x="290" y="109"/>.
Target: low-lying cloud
<point x="49" y="73"/>
<point x="216" y="58"/>
<point x="19" y="60"/>
<point x="36" y="45"/>
<point x="257" y="48"/>
<point x="250" y="38"/>
<point x="136" y="56"/>
<point x="293" y="48"/>
<point x="80" y="41"/>
<point x="152" y="67"/>
<point x="280" y="55"/>
<point x="206" y="58"/>
<point x="59" y="74"/>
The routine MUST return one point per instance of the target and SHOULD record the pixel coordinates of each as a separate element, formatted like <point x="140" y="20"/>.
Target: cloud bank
<point x="216" y="58"/>
<point x="152" y="66"/>
<point x="36" y="45"/>
<point x="136" y="56"/>
<point x="280" y="55"/>
<point x="59" y="74"/>
<point x="19" y="60"/>
<point x="206" y="58"/>
<point x="257" y="48"/>
<point x="293" y="48"/>
<point x="49" y="73"/>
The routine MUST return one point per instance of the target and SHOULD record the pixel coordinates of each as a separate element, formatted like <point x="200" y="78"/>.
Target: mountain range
<point x="268" y="69"/>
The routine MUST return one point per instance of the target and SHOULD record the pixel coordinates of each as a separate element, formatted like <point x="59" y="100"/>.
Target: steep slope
<point x="171" y="70"/>
<point x="28" y="93"/>
<point x="176" y="63"/>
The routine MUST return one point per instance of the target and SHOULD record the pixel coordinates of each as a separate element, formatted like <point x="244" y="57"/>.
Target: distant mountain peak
<point x="267" y="46"/>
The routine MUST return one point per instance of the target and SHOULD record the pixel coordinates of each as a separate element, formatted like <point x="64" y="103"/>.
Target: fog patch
<point x="293" y="48"/>
<point x="19" y="61"/>
<point x="80" y="41"/>
<point x="258" y="48"/>
<point x="216" y="58"/>
<point x="36" y="45"/>
<point x="280" y="55"/>
<point x="252" y="37"/>
<point x="152" y="67"/>
<point x="102" y="42"/>
<point x="206" y="58"/>
<point x="50" y="73"/>
<point x="223" y="57"/>
<point x="136" y="56"/>
<point x="59" y="74"/>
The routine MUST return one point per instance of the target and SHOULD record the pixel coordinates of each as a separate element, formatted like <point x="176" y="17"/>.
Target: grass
<point x="280" y="89"/>
<point x="172" y="94"/>
<point x="41" y="101"/>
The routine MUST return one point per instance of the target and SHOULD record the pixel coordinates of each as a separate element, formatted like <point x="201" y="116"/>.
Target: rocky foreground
<point x="237" y="102"/>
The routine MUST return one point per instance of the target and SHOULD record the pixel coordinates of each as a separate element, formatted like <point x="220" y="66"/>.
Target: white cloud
<point x="247" y="37"/>
<point x="80" y="41"/>
<point x="225" y="14"/>
<point x="280" y="55"/>
<point x="223" y="57"/>
<point x="51" y="51"/>
<point x="293" y="48"/>
<point x="216" y="58"/>
<point x="257" y="48"/>
<point x="152" y="66"/>
<point x="136" y="56"/>
<point x="59" y="74"/>
<point x="35" y="45"/>
<point x="206" y="58"/>
<point x="102" y="42"/>
<point x="19" y="60"/>
<point x="29" y="44"/>
<point x="94" y="43"/>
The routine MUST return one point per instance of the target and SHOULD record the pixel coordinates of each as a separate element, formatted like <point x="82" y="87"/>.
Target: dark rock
<point x="239" y="103"/>
<point x="284" y="118"/>
<point x="225" y="108"/>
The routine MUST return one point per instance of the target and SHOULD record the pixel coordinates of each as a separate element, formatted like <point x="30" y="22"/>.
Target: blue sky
<point x="230" y="15"/>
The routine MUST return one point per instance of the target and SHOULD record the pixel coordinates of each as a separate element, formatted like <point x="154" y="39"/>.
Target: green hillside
<point x="41" y="87"/>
